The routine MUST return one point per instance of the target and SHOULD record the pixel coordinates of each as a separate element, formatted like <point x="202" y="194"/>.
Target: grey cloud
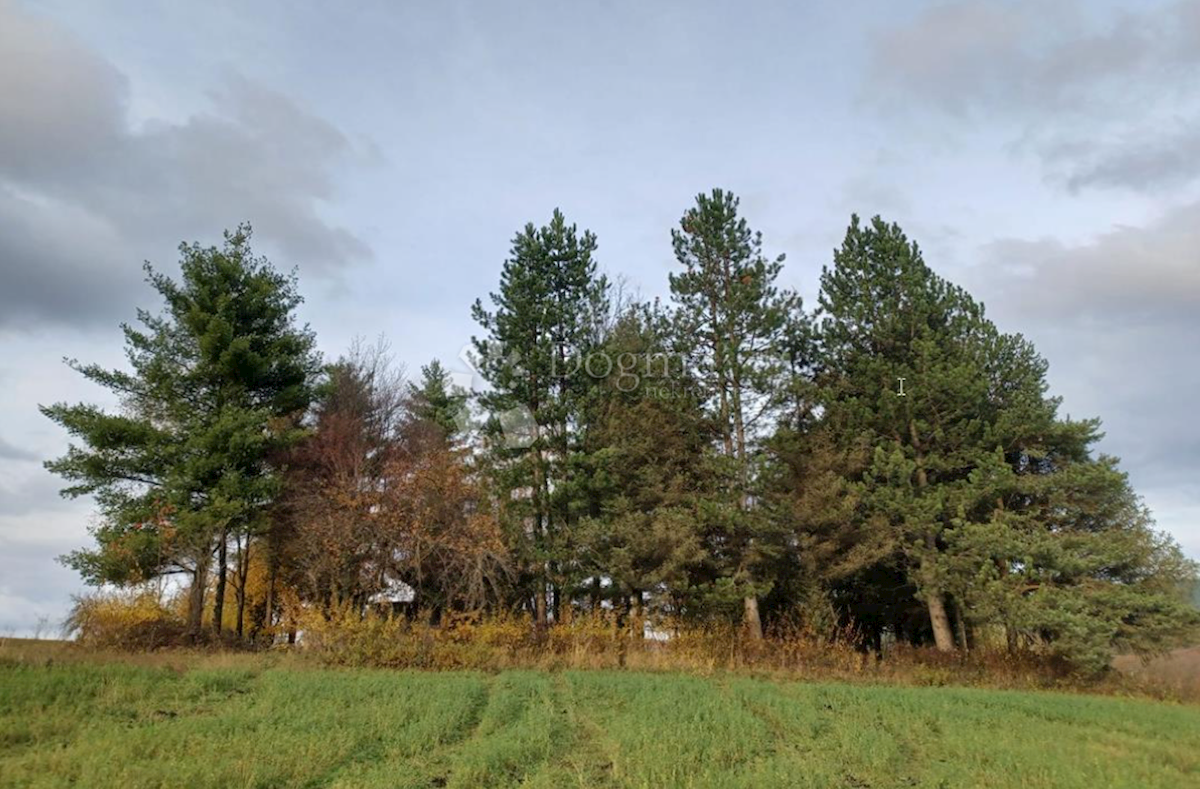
<point x="10" y="452"/>
<point x="1144" y="275"/>
<point x="24" y="494"/>
<point x="84" y="196"/>
<point x="1056" y="77"/>
<point x="954" y="56"/>
<point x="1119" y="320"/>
<point x="1143" y="162"/>
<point x="59" y="103"/>
<point x="32" y="588"/>
<point x="1033" y="56"/>
<point x="60" y="262"/>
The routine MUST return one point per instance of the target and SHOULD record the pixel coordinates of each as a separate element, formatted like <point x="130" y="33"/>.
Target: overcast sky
<point x="1045" y="154"/>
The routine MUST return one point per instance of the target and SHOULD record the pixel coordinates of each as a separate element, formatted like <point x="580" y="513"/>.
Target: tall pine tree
<point x="651" y="449"/>
<point x="996" y="509"/>
<point x="547" y="317"/>
<point x="219" y="380"/>
<point x="734" y="323"/>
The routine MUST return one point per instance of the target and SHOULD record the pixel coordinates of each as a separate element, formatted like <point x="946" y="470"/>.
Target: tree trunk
<point x="564" y="611"/>
<point x="961" y="625"/>
<point x="222" y="571"/>
<point x="539" y="603"/>
<point x="752" y="621"/>
<point x="940" y="622"/>
<point x="722" y="386"/>
<point x="637" y="625"/>
<point x="243" y="575"/>
<point x="196" y="598"/>
<point x="269" y="605"/>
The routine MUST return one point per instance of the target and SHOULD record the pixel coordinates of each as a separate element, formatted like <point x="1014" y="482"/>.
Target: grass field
<point x="251" y="722"/>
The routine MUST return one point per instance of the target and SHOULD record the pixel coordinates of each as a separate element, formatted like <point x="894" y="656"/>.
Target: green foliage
<point x="218" y="382"/>
<point x="549" y="312"/>
<point x="439" y="402"/>
<point x="653" y="466"/>
<point x="996" y="509"/>
<point x="736" y="327"/>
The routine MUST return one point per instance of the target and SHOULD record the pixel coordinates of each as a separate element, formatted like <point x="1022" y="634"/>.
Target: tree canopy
<point x="890" y="464"/>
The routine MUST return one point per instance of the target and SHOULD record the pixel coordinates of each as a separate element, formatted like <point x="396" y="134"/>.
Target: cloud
<point x="1118" y="319"/>
<point x="33" y="587"/>
<point x="85" y="196"/>
<point x="11" y="452"/>
<point x="1145" y="276"/>
<point x="1145" y="160"/>
<point x="30" y="494"/>
<point x="1057" y="77"/>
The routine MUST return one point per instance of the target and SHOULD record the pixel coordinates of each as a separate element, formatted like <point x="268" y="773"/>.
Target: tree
<point x="218" y="382"/>
<point x="1053" y="545"/>
<point x="733" y="321"/>
<point x="651" y="449"/>
<point x="887" y="317"/>
<point x="548" y="313"/>
<point x="337" y="480"/>
<point x="447" y="544"/>
<point x="438" y="402"/>
<point x="378" y="497"/>
<point x="994" y="504"/>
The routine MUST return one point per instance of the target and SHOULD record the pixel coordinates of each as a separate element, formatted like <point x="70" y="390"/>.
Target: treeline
<point x="887" y="464"/>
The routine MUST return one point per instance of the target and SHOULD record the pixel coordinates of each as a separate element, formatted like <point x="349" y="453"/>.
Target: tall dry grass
<point x="145" y="625"/>
<point x="602" y="640"/>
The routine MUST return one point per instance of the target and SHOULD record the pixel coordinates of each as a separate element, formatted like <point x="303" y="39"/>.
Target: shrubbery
<point x="145" y="619"/>
<point x="603" y="641"/>
<point x="125" y="619"/>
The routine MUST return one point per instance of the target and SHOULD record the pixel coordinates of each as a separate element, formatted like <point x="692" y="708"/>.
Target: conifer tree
<point x="734" y="322"/>
<point x="439" y="402"/>
<point x="651" y="449"/>
<point x="218" y="381"/>
<point x="995" y="506"/>
<point x="547" y="316"/>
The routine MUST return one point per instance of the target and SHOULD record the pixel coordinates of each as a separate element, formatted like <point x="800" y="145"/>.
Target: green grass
<point x="252" y="723"/>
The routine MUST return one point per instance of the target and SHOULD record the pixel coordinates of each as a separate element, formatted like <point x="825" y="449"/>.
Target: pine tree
<point x="995" y="505"/>
<point x="734" y="322"/>
<point x="651" y="449"/>
<point x="218" y="382"/>
<point x="548" y="314"/>
<point x="438" y="402"/>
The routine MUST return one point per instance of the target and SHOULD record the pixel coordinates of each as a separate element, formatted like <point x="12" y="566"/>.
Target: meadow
<point x="269" y="721"/>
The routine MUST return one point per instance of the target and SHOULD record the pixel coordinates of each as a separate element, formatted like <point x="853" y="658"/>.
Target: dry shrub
<point x="134" y="619"/>
<point x="594" y="640"/>
<point x="142" y="621"/>
<point x="601" y="640"/>
<point x="1175" y="675"/>
<point x="462" y="640"/>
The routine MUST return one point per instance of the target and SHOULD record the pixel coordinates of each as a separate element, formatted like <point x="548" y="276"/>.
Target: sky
<point x="1045" y="155"/>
